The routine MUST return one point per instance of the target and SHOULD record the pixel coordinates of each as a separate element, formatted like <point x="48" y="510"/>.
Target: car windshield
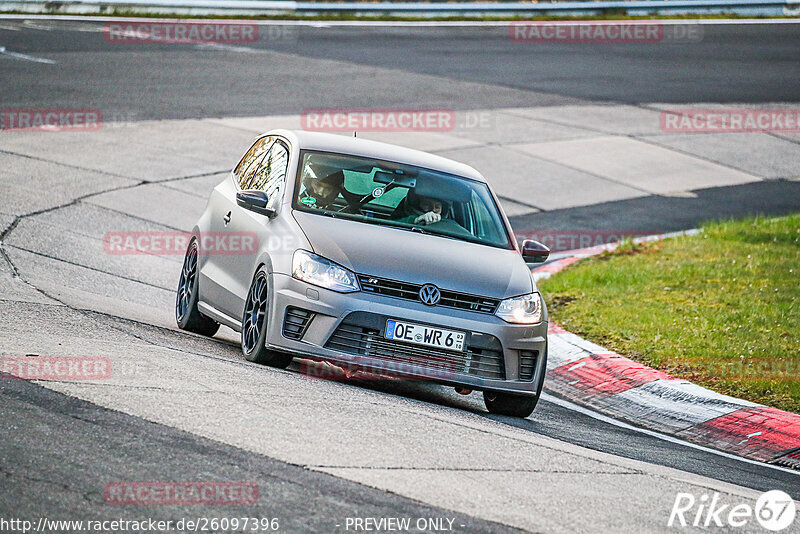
<point x="392" y="194"/>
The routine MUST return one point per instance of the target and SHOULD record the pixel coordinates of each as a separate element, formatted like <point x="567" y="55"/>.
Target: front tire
<point x="509" y="404"/>
<point x="254" y="325"/>
<point x="186" y="313"/>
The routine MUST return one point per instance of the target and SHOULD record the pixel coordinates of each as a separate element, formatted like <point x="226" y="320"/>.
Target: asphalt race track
<point x="181" y="407"/>
<point x="295" y="68"/>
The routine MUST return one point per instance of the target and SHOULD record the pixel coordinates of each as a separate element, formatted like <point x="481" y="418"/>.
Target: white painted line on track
<point x="395" y="23"/>
<point x="46" y="25"/>
<point x="25" y="57"/>
<point x="228" y="48"/>
<point x="600" y="417"/>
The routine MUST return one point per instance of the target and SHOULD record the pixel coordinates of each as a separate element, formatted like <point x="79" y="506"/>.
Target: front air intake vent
<point x="527" y="364"/>
<point x="295" y="322"/>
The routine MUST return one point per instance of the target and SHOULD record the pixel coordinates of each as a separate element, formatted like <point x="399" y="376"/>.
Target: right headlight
<point x="309" y="267"/>
<point x="526" y="309"/>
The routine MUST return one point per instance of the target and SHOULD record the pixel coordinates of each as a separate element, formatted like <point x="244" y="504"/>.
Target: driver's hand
<point x="428" y="218"/>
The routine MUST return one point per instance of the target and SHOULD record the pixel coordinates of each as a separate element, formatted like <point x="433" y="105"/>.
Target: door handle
<point x="226" y="219"/>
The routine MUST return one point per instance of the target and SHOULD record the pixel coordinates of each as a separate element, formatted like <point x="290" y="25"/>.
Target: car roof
<point x="342" y="144"/>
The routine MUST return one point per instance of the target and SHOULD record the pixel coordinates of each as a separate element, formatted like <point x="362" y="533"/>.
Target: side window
<point x="271" y="175"/>
<point x="249" y="164"/>
<point x="483" y="221"/>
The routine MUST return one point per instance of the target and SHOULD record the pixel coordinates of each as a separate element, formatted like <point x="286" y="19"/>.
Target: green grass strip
<point x="721" y="309"/>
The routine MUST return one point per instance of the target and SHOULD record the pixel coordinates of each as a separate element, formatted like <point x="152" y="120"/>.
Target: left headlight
<point x="526" y="309"/>
<point x="319" y="271"/>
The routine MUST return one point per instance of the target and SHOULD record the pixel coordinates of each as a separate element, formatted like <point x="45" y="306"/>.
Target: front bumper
<point x="347" y="329"/>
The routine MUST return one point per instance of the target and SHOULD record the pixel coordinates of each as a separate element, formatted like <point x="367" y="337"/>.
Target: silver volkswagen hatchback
<point x="372" y="257"/>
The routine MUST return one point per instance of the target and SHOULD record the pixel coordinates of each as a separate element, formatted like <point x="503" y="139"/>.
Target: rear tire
<point x="509" y="404"/>
<point x="254" y="325"/>
<point x="186" y="313"/>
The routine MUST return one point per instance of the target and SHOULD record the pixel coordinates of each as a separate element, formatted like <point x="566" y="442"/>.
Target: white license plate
<point x="427" y="336"/>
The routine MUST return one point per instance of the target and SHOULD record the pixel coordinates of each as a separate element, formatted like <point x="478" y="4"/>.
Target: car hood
<point x="417" y="258"/>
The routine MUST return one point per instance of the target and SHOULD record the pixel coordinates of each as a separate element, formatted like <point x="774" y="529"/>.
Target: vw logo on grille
<point x="429" y="294"/>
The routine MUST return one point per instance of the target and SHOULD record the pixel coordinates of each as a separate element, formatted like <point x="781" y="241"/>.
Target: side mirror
<point x="534" y="252"/>
<point x="256" y="201"/>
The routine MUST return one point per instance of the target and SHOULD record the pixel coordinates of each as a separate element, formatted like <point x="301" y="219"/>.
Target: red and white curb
<point x="597" y="378"/>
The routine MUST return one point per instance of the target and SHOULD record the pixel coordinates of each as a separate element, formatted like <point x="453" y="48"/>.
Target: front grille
<point x="527" y="363"/>
<point x="363" y="340"/>
<point x="790" y="460"/>
<point x="408" y="291"/>
<point x="295" y="322"/>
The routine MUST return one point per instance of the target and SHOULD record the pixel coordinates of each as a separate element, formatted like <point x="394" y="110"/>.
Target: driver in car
<point x="322" y="192"/>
